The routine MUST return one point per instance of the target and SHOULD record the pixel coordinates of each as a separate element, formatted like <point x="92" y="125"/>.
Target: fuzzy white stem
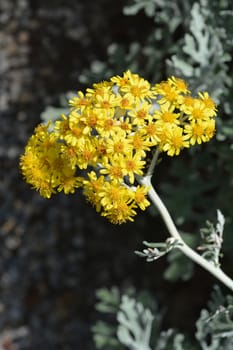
<point x="153" y="162"/>
<point x="155" y="199"/>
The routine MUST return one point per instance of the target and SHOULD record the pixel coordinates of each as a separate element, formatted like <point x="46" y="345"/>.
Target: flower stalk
<point x="189" y="252"/>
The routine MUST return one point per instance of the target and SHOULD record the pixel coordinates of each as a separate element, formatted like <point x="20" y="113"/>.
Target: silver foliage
<point x="201" y="57"/>
<point x="157" y="250"/>
<point x="135" y="323"/>
<point x="212" y="239"/>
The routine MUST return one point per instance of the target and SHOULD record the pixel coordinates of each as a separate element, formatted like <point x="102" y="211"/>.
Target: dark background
<point x="55" y="253"/>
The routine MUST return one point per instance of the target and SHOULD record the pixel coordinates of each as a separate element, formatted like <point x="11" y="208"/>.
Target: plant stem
<point x="153" y="162"/>
<point x="155" y="199"/>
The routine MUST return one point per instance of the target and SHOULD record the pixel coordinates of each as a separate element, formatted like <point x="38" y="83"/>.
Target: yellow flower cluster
<point x="103" y="143"/>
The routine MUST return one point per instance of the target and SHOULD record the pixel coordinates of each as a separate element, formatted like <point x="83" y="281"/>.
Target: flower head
<point x="104" y="142"/>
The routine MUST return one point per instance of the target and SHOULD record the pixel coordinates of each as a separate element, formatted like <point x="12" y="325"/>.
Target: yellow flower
<point x="166" y="92"/>
<point x="179" y="84"/>
<point x="69" y="154"/>
<point x="119" y="143"/>
<point x="36" y="173"/>
<point x="74" y="135"/>
<point x="200" y="131"/>
<point x="196" y="132"/>
<point x="126" y="103"/>
<point x="208" y="102"/>
<point x="86" y="154"/>
<point x="176" y="141"/>
<point x="120" y="213"/>
<point x="166" y="114"/>
<point x="79" y="102"/>
<point x="68" y="184"/>
<point x="185" y="103"/>
<point x="210" y="129"/>
<point x="140" y="114"/>
<point x="125" y="124"/>
<point x="121" y="81"/>
<point x="140" y="198"/>
<point x="199" y="111"/>
<point x="113" y="193"/>
<point x="131" y="165"/>
<point x="62" y="126"/>
<point x="151" y="131"/>
<point x="137" y="87"/>
<point x="38" y="164"/>
<point x="114" y="170"/>
<point x="99" y="89"/>
<point x="91" y="119"/>
<point x="139" y="142"/>
<point x="107" y="101"/>
<point x="107" y="124"/>
<point x="92" y="187"/>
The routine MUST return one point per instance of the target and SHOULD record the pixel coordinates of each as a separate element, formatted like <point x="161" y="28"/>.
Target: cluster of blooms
<point x="103" y="143"/>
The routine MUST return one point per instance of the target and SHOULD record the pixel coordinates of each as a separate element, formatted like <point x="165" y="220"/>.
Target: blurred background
<point x="55" y="254"/>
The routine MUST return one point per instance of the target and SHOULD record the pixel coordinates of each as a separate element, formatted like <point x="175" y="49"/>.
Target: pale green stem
<point x="155" y="199"/>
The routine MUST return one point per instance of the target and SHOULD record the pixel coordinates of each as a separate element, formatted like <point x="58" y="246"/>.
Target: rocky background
<point x="55" y="254"/>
